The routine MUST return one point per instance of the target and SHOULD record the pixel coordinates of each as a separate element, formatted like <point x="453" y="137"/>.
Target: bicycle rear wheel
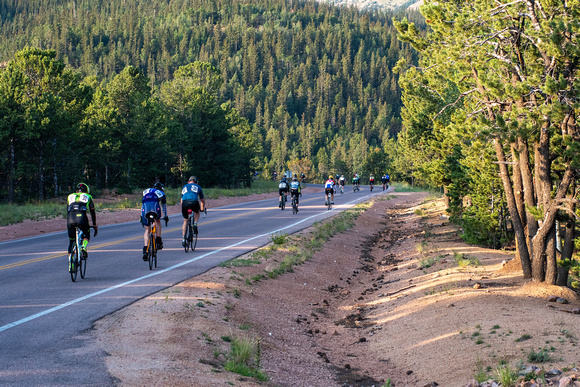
<point x="283" y="202"/>
<point x="294" y="206"/>
<point x="74" y="269"/>
<point x="329" y="202"/>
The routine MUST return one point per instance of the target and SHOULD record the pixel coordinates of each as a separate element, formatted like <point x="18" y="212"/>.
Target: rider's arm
<point x="92" y="211"/>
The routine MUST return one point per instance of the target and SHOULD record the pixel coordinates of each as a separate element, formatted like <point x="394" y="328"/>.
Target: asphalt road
<point x="45" y="318"/>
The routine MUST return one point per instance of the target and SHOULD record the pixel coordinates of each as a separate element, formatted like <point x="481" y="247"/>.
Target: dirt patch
<point x="385" y="300"/>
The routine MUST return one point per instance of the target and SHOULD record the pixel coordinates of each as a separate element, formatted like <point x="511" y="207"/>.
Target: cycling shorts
<point x="328" y="190"/>
<point x="150" y="208"/>
<point x="282" y="191"/>
<point x="187" y="204"/>
<point x="77" y="219"/>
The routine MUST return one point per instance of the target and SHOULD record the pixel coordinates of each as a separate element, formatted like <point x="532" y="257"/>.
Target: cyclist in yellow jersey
<point x="78" y="204"/>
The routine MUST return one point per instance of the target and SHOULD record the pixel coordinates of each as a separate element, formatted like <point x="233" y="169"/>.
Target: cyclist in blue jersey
<point x="152" y="198"/>
<point x="295" y="189"/>
<point x="191" y="197"/>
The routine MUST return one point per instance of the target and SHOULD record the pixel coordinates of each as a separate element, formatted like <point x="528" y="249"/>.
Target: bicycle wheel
<point x="283" y="202"/>
<point x="151" y="251"/>
<point x="82" y="266"/>
<point x="187" y="236"/>
<point x="193" y="241"/>
<point x="329" y="202"/>
<point x="294" y="206"/>
<point x="74" y="269"/>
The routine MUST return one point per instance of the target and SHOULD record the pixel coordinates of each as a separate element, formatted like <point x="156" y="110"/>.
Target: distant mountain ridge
<point x="374" y="4"/>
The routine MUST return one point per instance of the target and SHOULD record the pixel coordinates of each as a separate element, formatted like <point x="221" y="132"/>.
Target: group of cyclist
<point x="154" y="201"/>
<point x="293" y="187"/>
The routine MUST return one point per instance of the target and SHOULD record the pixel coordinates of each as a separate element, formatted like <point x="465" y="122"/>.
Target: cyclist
<point x="384" y="180"/>
<point x="356" y="180"/>
<point x="274" y="175"/>
<point x="342" y="182"/>
<point x="152" y="197"/>
<point x="388" y="179"/>
<point x="282" y="190"/>
<point x="303" y="177"/>
<point x="329" y="187"/>
<point x="78" y="203"/>
<point x="295" y="189"/>
<point x="191" y="197"/>
<point x="372" y="181"/>
<point x="336" y="178"/>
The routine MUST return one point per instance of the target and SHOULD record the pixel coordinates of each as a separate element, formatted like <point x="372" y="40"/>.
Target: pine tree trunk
<point x="523" y="252"/>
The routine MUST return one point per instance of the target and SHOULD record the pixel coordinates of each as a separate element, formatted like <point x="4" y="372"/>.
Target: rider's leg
<point x="184" y="227"/>
<point x="158" y="240"/>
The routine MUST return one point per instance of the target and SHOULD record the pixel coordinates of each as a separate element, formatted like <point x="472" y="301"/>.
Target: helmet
<point x="193" y="178"/>
<point x="295" y="175"/>
<point x="356" y="175"/>
<point x="330" y="177"/>
<point x="82" y="187"/>
<point x="158" y="186"/>
<point x="294" y="178"/>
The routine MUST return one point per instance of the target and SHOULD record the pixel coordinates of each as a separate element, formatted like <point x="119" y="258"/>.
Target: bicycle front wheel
<point x="151" y="251"/>
<point x="193" y="240"/>
<point x="73" y="266"/>
<point x="82" y="266"/>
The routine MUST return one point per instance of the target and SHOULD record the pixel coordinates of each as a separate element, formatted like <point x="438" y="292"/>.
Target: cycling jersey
<point x="329" y="183"/>
<point x="150" y="204"/>
<point x="295" y="186"/>
<point x="191" y="192"/>
<point x="78" y="204"/>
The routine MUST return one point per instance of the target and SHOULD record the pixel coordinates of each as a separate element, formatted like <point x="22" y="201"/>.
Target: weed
<point x="495" y="327"/>
<point x="463" y="261"/>
<point x="200" y="304"/>
<point x="523" y="338"/>
<point x="245" y="327"/>
<point x="420" y="212"/>
<point x="426" y="263"/>
<point x="539" y="357"/>
<point x="279" y="238"/>
<point x="244" y="358"/>
<point x="506" y="376"/>
<point x="237" y="293"/>
<point x="387" y="383"/>
<point x="480" y="372"/>
<point x="240" y="262"/>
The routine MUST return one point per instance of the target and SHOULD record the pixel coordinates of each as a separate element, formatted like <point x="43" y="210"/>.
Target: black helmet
<point x="193" y="178"/>
<point x="82" y="187"/>
<point x="158" y="186"/>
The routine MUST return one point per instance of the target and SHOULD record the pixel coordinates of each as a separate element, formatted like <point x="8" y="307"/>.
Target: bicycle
<point x="294" y="205"/>
<point x="283" y="202"/>
<point x="191" y="232"/>
<point x="78" y="263"/>
<point x="341" y="189"/>
<point x="372" y="185"/>
<point x="151" y="244"/>
<point x="355" y="188"/>
<point x="329" y="201"/>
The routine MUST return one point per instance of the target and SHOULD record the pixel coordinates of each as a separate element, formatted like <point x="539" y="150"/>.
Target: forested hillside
<point x="314" y="81"/>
